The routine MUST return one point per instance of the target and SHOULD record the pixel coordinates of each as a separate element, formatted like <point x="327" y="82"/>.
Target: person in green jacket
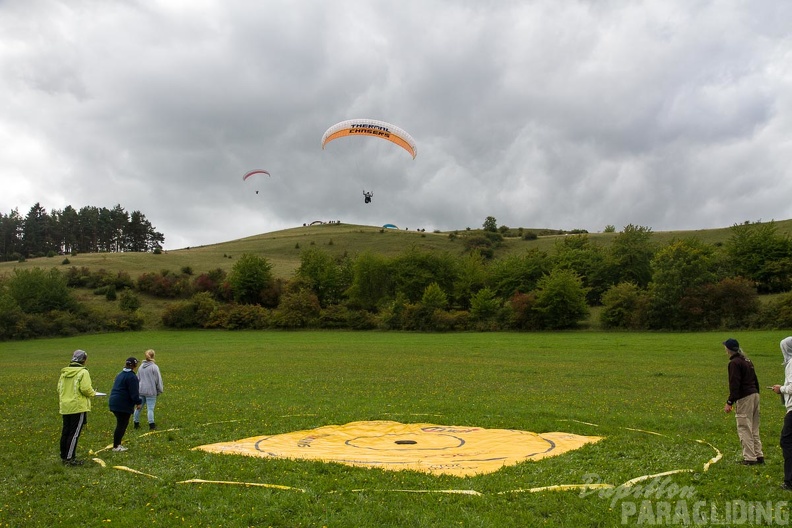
<point x="74" y="395"/>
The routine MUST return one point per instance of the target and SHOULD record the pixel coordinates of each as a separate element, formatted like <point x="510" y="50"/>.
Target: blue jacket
<point x="126" y="392"/>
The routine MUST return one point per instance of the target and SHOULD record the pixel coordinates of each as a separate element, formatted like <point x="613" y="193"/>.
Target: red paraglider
<point x="251" y="173"/>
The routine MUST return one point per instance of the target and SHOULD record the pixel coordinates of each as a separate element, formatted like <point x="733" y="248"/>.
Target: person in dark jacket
<point x="124" y="397"/>
<point x="744" y="400"/>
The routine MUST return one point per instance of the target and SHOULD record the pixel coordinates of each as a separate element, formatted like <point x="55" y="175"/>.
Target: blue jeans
<point x="150" y="402"/>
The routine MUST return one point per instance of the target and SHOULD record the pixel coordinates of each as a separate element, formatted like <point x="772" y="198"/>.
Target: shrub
<point x="361" y="320"/>
<point x="214" y="282"/>
<point x="523" y="316"/>
<point x="11" y="318"/>
<point x="298" y="309"/>
<point x="777" y="314"/>
<point x="128" y="301"/>
<point x="246" y="316"/>
<point x="334" y="316"/>
<point x="110" y="292"/>
<point x="484" y="305"/>
<point x="455" y="320"/>
<point x="249" y="277"/>
<point x="392" y="315"/>
<point x="39" y="291"/>
<point x="125" y="322"/>
<point x="624" y="306"/>
<point x="164" y="284"/>
<point x="195" y="313"/>
<point x="180" y="314"/>
<point x="561" y="300"/>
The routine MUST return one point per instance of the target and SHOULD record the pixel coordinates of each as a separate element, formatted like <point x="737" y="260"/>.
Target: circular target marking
<point x="385" y="442"/>
<point x="430" y="448"/>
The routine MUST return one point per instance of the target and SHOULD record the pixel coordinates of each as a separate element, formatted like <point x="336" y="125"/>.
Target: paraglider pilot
<point x="367" y="196"/>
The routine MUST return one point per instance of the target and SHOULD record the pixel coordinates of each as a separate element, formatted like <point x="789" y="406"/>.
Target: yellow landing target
<point x="438" y="449"/>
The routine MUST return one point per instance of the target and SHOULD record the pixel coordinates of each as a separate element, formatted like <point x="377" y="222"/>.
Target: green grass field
<point x="657" y="399"/>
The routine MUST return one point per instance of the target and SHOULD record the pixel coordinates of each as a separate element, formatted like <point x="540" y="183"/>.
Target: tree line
<point x="70" y="231"/>
<point x="633" y="282"/>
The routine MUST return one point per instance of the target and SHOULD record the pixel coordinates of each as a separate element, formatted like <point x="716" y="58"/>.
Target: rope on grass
<point x="105" y="448"/>
<point x="215" y="423"/>
<point x="234" y="483"/>
<point x="644" y="431"/>
<point x="578" y="421"/>
<point x="713" y="460"/>
<point x="124" y="468"/>
<point x="558" y="487"/>
<point x="452" y="491"/>
<point x="636" y="480"/>
<point x="158" y="431"/>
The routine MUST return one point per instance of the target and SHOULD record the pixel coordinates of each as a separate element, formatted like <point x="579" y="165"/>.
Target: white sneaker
<point x="120" y="448"/>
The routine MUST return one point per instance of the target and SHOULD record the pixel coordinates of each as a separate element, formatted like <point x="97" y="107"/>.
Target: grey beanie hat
<point x="79" y="356"/>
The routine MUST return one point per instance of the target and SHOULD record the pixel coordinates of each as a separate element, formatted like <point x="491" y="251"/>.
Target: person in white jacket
<point x="785" y="391"/>
<point x="150" y="387"/>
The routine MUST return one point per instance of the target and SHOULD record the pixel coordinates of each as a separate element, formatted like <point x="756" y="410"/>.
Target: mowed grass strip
<point x="651" y="396"/>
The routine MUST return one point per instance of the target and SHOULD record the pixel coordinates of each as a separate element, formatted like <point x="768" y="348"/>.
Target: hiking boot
<point x="749" y="462"/>
<point x="137" y="425"/>
<point x="152" y="426"/>
<point x="120" y="448"/>
<point x="786" y="486"/>
<point x="760" y="460"/>
<point x="73" y="462"/>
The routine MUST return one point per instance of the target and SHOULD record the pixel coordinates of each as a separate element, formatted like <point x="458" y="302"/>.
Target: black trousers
<point x="786" y="447"/>
<point x="72" y="427"/>
<point x="122" y="422"/>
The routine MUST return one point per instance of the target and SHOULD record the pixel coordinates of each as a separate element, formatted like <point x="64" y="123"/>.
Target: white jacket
<point x="786" y="388"/>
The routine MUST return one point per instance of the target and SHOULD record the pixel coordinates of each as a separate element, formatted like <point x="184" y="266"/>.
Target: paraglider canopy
<point x="371" y="127"/>
<point x="256" y="171"/>
<point x="251" y="173"/>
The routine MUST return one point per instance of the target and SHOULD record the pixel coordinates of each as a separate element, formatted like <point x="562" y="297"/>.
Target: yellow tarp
<point x="439" y="449"/>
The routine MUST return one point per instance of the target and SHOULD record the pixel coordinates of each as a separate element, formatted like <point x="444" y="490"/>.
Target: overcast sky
<point x="670" y="114"/>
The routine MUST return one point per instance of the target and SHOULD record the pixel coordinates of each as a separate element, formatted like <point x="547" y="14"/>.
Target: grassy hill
<point x="282" y="248"/>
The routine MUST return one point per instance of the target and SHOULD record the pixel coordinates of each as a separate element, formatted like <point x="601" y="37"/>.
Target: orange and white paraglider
<point x="251" y="173"/>
<point x="374" y="128"/>
<point x="371" y="127"/>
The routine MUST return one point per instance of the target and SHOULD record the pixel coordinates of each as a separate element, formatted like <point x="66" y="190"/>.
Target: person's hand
<point x="776" y="389"/>
<point x="727" y="408"/>
<point x="138" y="407"/>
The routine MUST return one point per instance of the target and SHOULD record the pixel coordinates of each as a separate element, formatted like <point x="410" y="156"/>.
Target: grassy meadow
<point x="657" y="399"/>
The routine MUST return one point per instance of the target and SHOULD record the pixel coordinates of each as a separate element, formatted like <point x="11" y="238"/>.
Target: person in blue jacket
<point x="124" y="397"/>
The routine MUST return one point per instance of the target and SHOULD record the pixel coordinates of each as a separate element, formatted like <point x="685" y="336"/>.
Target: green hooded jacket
<point x="75" y="389"/>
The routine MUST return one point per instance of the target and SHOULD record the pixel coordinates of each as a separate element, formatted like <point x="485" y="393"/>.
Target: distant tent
<point x="390" y="226"/>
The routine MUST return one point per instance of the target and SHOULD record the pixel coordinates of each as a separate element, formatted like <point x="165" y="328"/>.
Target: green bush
<point x="624" y="306"/>
<point x="777" y="314"/>
<point x="180" y="314"/>
<point x="128" y="301"/>
<point x="110" y="292"/>
<point x="39" y="291"/>
<point x="300" y="309"/>
<point x="247" y="316"/>
<point x="561" y="300"/>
